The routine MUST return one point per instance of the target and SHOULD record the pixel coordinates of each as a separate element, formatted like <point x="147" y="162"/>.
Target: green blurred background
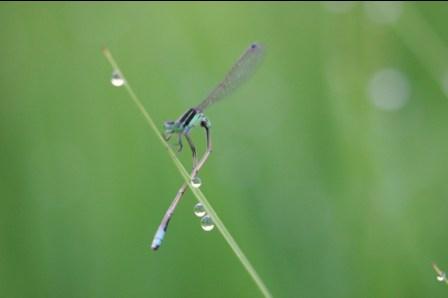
<point x="329" y="166"/>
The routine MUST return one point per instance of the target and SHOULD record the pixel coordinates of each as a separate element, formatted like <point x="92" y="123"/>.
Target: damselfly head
<point x="168" y="124"/>
<point x="169" y="129"/>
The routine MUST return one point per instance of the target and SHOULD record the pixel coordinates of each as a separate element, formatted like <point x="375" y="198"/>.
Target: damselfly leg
<point x="192" y="147"/>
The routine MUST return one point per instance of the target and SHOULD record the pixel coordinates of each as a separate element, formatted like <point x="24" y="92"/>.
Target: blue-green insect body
<point x="182" y="126"/>
<point x="240" y="71"/>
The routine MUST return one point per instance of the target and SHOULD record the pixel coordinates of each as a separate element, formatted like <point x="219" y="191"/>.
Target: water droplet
<point x="389" y="89"/>
<point x="196" y="182"/>
<point x="199" y="210"/>
<point x="207" y="223"/>
<point x="117" y="80"/>
<point x="441" y="277"/>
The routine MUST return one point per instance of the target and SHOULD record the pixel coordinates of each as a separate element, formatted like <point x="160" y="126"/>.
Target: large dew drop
<point x="207" y="223"/>
<point x="196" y="182"/>
<point x="117" y="80"/>
<point x="199" y="210"/>
<point x="441" y="277"/>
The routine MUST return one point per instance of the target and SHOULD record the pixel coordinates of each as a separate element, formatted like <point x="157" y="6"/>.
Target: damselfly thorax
<point x="193" y="117"/>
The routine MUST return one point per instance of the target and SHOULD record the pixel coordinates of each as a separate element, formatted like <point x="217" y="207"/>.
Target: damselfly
<point x="243" y="68"/>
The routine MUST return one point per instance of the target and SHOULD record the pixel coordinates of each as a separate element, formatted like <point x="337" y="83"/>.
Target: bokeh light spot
<point x="389" y="89"/>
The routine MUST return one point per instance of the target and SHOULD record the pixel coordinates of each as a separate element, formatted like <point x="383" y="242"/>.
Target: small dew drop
<point x="117" y="80"/>
<point x="441" y="277"/>
<point x="207" y="223"/>
<point x="196" y="182"/>
<point x="199" y="210"/>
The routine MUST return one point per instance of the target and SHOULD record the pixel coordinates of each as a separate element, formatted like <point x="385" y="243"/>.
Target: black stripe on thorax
<point x="185" y="116"/>
<point x="187" y="122"/>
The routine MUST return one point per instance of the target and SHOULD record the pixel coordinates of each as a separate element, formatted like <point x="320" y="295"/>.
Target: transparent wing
<point x="243" y="68"/>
